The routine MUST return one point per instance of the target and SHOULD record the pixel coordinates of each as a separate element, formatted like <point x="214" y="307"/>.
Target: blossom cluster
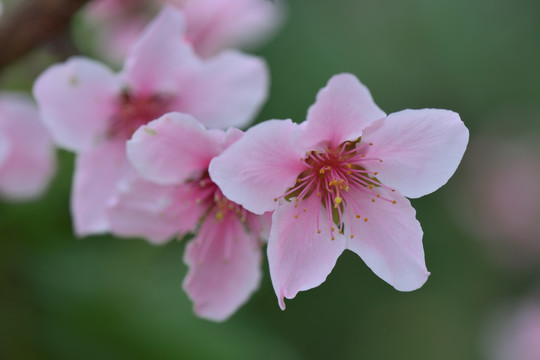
<point x="159" y="155"/>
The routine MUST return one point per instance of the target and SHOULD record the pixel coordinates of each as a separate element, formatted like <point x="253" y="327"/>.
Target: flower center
<point x="333" y="175"/>
<point x="206" y="193"/>
<point x="134" y="111"/>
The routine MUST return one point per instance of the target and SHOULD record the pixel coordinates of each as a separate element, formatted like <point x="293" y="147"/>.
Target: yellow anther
<point x="349" y="166"/>
<point x="371" y="186"/>
<point x="297" y="200"/>
<point x="318" y="231"/>
<point x="219" y="215"/>
<point x="304" y="210"/>
<point x="337" y="200"/>
<point x="352" y="236"/>
<point x="328" y="167"/>
<point x="275" y="199"/>
<point x="332" y="228"/>
<point x="332" y="238"/>
<point x="365" y="219"/>
<point x="296" y="216"/>
<point x="393" y="202"/>
<point x="318" y="194"/>
<point x="349" y="172"/>
<point x="150" y="131"/>
<point x="372" y="200"/>
<point x="339" y="231"/>
<point x="358" y="216"/>
<point x="363" y="155"/>
<point x="370" y="144"/>
<point x="322" y="171"/>
<point x="298" y="180"/>
<point x="375" y="173"/>
<point x="378" y="195"/>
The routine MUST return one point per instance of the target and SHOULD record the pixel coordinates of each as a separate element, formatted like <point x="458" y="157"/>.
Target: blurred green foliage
<point x="102" y="297"/>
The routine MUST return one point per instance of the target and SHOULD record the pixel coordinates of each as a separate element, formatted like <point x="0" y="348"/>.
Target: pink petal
<point x="154" y="212"/>
<point x="76" y="99"/>
<point x="214" y="25"/>
<point x="227" y="90"/>
<point x="260" y="166"/>
<point x="97" y="174"/>
<point x="390" y="241"/>
<point x="29" y="158"/>
<point x="173" y="149"/>
<point x="299" y="257"/>
<point x="420" y="149"/>
<point x="5" y="148"/>
<point x="157" y="59"/>
<point x="342" y="110"/>
<point x="224" y="267"/>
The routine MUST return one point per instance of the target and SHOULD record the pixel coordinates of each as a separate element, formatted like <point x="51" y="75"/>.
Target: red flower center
<point x="332" y="175"/>
<point x="135" y="111"/>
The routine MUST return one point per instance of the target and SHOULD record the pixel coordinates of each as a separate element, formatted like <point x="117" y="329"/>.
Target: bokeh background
<point x="109" y="298"/>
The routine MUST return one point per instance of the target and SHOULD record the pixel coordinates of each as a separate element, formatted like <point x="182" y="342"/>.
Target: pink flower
<point x="27" y="154"/>
<point x="514" y="333"/>
<point x="212" y="25"/>
<point x="339" y="180"/>
<point x="500" y="198"/>
<point x="92" y="111"/>
<point x="173" y="153"/>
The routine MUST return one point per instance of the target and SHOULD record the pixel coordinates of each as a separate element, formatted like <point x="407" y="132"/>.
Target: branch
<point x="33" y="23"/>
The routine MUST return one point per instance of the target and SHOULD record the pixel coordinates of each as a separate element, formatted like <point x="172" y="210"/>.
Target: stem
<point x="33" y="23"/>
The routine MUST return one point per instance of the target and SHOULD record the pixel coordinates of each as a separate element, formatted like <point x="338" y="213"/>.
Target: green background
<point x="108" y="298"/>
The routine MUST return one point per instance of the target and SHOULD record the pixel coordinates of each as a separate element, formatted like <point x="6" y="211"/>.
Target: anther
<point x="337" y="200"/>
<point x="394" y="201"/>
<point x="332" y="228"/>
<point x="375" y="173"/>
<point x="352" y="236"/>
<point x="318" y="231"/>
<point x="358" y="216"/>
<point x="296" y="216"/>
<point x="372" y="200"/>
<point x="365" y="219"/>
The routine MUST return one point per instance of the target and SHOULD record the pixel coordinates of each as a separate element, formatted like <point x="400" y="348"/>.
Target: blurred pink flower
<point x="339" y="180"/>
<point x="92" y="111"/>
<point x="514" y="333"/>
<point x="212" y="25"/>
<point x="500" y="197"/>
<point x="27" y="154"/>
<point x="224" y="258"/>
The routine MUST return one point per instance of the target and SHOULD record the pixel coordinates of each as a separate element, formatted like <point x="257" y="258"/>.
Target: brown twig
<point x="33" y="23"/>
